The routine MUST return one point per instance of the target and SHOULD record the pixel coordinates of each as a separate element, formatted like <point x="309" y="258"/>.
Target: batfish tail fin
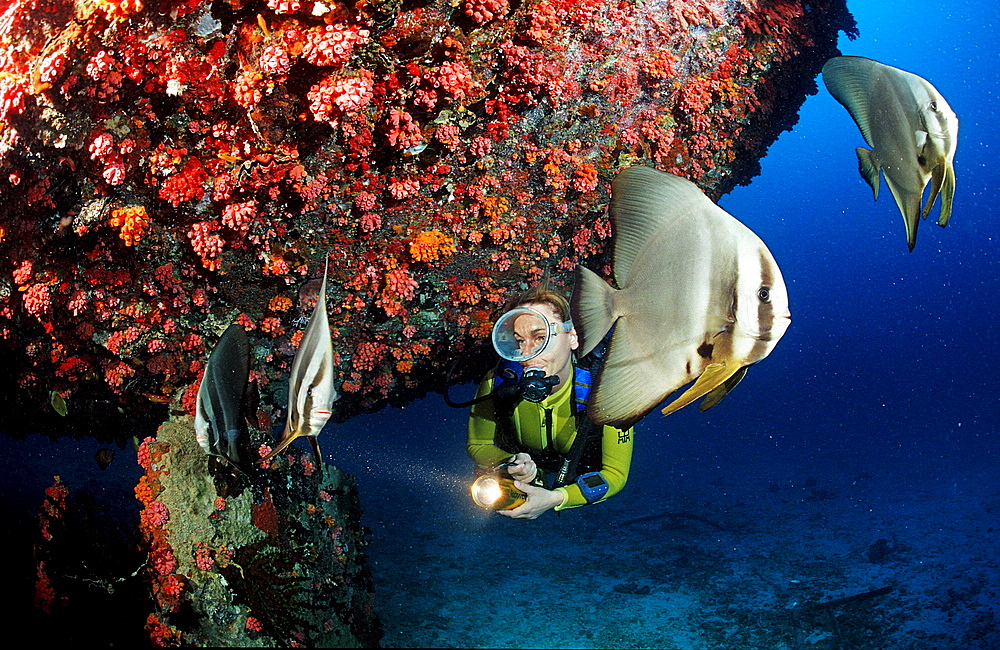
<point x="868" y="169"/>
<point x="591" y="309"/>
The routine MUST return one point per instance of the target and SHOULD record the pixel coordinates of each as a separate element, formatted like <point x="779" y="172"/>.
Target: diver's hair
<point x="542" y="292"/>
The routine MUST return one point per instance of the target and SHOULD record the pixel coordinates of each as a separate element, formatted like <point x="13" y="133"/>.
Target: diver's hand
<point x="539" y="500"/>
<point x="522" y="468"/>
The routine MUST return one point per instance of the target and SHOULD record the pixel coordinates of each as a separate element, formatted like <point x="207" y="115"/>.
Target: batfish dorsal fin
<point x="850" y="80"/>
<point x="591" y="306"/>
<point x="642" y="201"/>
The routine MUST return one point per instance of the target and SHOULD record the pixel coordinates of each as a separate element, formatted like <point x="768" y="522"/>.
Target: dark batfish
<point x="910" y="128"/>
<point x="700" y="299"/>
<point x="220" y="420"/>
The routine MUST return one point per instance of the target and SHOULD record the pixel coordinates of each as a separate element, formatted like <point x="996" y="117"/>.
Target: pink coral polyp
<point x="38" y="299"/>
<point x="332" y="44"/>
<point x="102" y="145"/>
<point x="274" y="60"/>
<point x="163" y="561"/>
<point x="483" y="11"/>
<point x="402" y="131"/>
<point x="155" y="514"/>
<point x="334" y="96"/>
<point x="206" y="243"/>
<point x="284" y="6"/>
<point x="238" y="216"/>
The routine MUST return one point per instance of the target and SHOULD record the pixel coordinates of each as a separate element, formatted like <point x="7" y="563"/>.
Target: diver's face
<point x="529" y="332"/>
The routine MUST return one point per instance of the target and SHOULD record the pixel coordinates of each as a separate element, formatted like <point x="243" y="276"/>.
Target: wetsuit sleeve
<point x="480" y="443"/>
<point x="616" y="450"/>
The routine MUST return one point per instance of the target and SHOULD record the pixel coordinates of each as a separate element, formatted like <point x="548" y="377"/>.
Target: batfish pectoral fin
<point x="868" y="168"/>
<point x="714" y="396"/>
<point x="714" y="376"/>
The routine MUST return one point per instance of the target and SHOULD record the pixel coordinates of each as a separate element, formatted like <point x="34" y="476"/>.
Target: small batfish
<point x="700" y="299"/>
<point x="220" y="420"/>
<point x="910" y="128"/>
<point x="311" y="393"/>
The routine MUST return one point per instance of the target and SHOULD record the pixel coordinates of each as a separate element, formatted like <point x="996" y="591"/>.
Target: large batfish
<point x="227" y="400"/>
<point x="700" y="299"/>
<point x="311" y="393"/>
<point x="910" y="128"/>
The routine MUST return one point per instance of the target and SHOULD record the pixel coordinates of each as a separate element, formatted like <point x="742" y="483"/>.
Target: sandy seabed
<point x="875" y="553"/>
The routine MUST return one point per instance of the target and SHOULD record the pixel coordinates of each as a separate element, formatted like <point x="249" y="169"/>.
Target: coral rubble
<point x="167" y="167"/>
<point x="272" y="558"/>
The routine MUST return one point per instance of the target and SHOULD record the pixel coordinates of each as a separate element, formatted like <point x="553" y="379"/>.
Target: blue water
<point x="886" y="347"/>
<point x="889" y="370"/>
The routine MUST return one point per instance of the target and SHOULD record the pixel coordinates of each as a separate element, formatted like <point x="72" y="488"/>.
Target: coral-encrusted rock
<point x="168" y="168"/>
<point x="278" y="560"/>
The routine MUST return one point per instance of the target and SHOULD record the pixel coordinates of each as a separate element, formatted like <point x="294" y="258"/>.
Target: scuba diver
<point x="528" y="426"/>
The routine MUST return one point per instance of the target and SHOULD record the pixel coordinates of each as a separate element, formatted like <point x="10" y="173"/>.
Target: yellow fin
<point x="715" y="375"/>
<point x="288" y="438"/>
<point x="715" y="395"/>
<point x="313" y="441"/>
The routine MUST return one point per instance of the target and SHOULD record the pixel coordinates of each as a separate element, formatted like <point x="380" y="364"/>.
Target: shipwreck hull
<point x="171" y="167"/>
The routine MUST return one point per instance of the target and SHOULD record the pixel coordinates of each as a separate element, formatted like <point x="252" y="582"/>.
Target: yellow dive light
<point x="491" y="491"/>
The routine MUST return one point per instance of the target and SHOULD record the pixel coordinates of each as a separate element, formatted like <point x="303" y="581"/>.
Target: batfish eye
<point x="764" y="294"/>
<point x="934" y="106"/>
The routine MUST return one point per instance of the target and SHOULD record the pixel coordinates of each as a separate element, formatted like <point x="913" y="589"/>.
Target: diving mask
<point x="524" y="333"/>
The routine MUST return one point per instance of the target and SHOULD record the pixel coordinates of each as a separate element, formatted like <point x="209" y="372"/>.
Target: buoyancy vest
<point x="585" y="454"/>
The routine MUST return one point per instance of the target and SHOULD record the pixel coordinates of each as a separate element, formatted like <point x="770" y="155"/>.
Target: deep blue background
<point x="886" y="348"/>
<point x="891" y="357"/>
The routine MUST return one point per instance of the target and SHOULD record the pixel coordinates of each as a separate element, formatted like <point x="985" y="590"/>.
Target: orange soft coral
<point x="133" y="221"/>
<point x="429" y="245"/>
